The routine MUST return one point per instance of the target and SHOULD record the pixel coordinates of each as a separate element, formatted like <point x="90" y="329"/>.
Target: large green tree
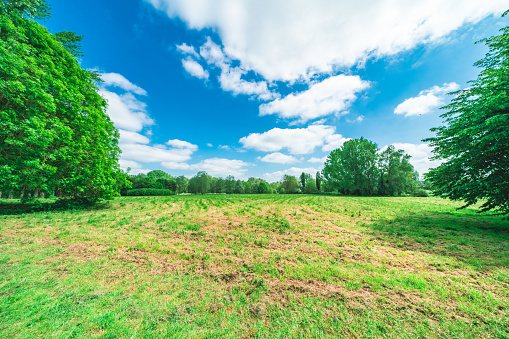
<point x="474" y="142"/>
<point x="55" y="136"/>
<point x="352" y="168"/>
<point x="397" y="175"/>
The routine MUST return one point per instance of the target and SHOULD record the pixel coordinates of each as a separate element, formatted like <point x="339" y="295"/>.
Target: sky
<point x="266" y="88"/>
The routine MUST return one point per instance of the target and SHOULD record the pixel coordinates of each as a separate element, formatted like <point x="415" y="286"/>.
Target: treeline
<point x="161" y="183"/>
<point x="359" y="167"/>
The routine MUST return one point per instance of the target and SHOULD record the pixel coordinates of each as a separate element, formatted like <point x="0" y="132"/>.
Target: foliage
<point x="263" y="188"/>
<point x="290" y="184"/>
<point x="420" y="193"/>
<point x="200" y="183"/>
<point x="352" y="168"/>
<point x="310" y="187"/>
<point x="318" y="180"/>
<point x="55" y="136"/>
<point x="397" y="175"/>
<point x="360" y="168"/>
<point x="148" y="192"/>
<point x="474" y="142"/>
<point x="304" y="178"/>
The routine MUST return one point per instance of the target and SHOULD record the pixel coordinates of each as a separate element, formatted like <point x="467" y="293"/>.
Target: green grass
<point x="285" y="266"/>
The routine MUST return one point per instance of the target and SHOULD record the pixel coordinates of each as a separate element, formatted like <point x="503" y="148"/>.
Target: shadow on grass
<point x="14" y="207"/>
<point x="478" y="240"/>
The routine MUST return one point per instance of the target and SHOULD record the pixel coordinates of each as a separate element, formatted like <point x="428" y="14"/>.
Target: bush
<point x="139" y="192"/>
<point x="421" y="193"/>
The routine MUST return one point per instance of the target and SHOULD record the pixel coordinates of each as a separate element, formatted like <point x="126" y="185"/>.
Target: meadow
<point x="255" y="266"/>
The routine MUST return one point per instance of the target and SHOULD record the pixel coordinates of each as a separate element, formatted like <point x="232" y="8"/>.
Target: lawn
<point x="260" y="266"/>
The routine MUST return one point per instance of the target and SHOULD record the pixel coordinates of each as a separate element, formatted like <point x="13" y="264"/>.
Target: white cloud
<point x="128" y="137"/>
<point x="118" y="80"/>
<point x="334" y="141"/>
<point x="182" y="144"/>
<point x="175" y="165"/>
<point x="279" y="158"/>
<point x="296" y="140"/>
<point x="318" y="160"/>
<point x="225" y="147"/>
<point x="126" y="111"/>
<point x="210" y="145"/>
<point x="420" y="156"/>
<point x="230" y="80"/>
<point x="124" y="164"/>
<point x="426" y="101"/>
<point x="186" y="49"/>
<point x="195" y="69"/>
<point x="288" y="39"/>
<point x="213" y="54"/>
<point x="332" y="95"/>
<point x="218" y="167"/>
<point x="295" y="171"/>
<point x="155" y="153"/>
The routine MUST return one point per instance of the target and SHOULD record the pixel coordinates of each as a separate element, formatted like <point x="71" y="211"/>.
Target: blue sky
<point x="265" y="88"/>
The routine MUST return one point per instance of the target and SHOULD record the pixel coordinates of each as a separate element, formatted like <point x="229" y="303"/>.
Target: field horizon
<point x="268" y="266"/>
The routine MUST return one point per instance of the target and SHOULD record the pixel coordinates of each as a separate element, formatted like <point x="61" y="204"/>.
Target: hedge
<point x="138" y="192"/>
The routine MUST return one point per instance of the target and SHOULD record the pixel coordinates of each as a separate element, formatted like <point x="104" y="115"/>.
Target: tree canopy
<point x="474" y="142"/>
<point x="360" y="168"/>
<point x="55" y="136"/>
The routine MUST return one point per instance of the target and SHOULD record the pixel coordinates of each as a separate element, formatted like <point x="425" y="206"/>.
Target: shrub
<point x="421" y="193"/>
<point x="138" y="192"/>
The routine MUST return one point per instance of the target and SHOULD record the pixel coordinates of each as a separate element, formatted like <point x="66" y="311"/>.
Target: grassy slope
<point x="256" y="266"/>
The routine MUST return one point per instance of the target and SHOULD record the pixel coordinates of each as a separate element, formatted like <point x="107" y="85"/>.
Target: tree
<point x="230" y="184"/>
<point x="474" y="142"/>
<point x="239" y="187"/>
<point x="310" y="187"/>
<point x="304" y="178"/>
<point x="351" y="169"/>
<point x="290" y="184"/>
<point x="318" y="180"/>
<point x="55" y="136"/>
<point x="397" y="175"/>
<point x="263" y="188"/>
<point x="200" y="183"/>
<point x="182" y="183"/>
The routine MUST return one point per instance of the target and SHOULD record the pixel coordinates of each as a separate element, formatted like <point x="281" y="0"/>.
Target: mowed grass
<point x="276" y="266"/>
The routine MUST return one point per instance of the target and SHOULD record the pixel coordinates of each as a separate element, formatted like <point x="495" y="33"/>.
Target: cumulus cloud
<point x="427" y="100"/>
<point x="124" y="164"/>
<point x="213" y="54"/>
<point x="155" y="153"/>
<point x="332" y="95"/>
<point x="334" y="141"/>
<point x="195" y="69"/>
<point x="289" y="39"/>
<point x="175" y="165"/>
<point x="230" y="80"/>
<point x="421" y="154"/>
<point x="128" y="137"/>
<point x="126" y="111"/>
<point x="187" y="50"/>
<point x="182" y="144"/>
<point x="296" y="140"/>
<point x="279" y="158"/>
<point x="118" y="80"/>
<point x="218" y="167"/>
<point x="318" y="160"/>
<point x="295" y="171"/>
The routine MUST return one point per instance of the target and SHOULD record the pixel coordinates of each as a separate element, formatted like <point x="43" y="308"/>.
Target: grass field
<point x="276" y="266"/>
